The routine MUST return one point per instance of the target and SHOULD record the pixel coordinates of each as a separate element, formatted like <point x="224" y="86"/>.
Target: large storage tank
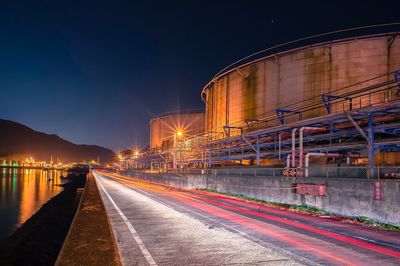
<point x="256" y="89"/>
<point x="184" y="124"/>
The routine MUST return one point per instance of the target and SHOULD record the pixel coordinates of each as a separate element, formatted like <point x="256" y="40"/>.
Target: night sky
<point x="95" y="72"/>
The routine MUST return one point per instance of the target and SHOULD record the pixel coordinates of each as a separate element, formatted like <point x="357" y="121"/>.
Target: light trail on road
<point x="306" y="239"/>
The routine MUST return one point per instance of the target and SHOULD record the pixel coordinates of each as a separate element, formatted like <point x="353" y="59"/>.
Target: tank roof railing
<point x="297" y="45"/>
<point x="179" y="112"/>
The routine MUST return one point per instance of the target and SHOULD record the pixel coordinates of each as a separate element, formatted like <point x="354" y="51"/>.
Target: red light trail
<point x="291" y="229"/>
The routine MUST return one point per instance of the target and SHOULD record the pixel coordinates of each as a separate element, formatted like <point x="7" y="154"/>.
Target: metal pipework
<point x="316" y="154"/>
<point x="288" y="160"/>
<point x="294" y="147"/>
<point x="301" y="131"/>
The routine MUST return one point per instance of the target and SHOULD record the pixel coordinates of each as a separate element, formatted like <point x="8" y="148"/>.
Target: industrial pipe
<point x="294" y="147"/>
<point x="301" y="142"/>
<point x="280" y="142"/>
<point x="288" y="160"/>
<point x="307" y="161"/>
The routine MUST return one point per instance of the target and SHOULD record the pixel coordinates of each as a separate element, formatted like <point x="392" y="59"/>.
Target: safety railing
<point x="351" y="172"/>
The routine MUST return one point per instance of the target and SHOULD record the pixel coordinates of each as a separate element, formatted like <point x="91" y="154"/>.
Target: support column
<point x="294" y="147"/>
<point x="280" y="141"/>
<point x="371" y="148"/>
<point x="175" y="165"/>
<point x="257" y="152"/>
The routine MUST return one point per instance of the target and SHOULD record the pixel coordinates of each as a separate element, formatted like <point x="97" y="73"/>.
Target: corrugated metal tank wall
<point x="162" y="128"/>
<point x="255" y="90"/>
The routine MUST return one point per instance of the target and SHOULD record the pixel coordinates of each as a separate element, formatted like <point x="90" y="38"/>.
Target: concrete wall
<point x="345" y="197"/>
<point x="163" y="128"/>
<point x="256" y="90"/>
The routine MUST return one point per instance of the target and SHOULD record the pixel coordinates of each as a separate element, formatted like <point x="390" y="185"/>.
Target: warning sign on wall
<point x="311" y="189"/>
<point x="378" y="190"/>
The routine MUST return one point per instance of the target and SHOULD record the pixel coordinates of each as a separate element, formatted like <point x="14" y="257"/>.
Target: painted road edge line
<point x="135" y="235"/>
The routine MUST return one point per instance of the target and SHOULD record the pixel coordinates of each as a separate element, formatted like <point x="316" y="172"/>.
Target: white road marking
<point x="135" y="235"/>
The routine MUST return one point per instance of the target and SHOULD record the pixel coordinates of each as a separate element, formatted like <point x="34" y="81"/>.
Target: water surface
<point x="22" y="193"/>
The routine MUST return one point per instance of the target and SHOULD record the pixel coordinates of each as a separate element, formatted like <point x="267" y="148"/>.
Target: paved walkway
<point x="90" y="240"/>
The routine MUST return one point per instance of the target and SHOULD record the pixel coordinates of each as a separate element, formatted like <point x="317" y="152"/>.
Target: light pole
<point x="136" y="155"/>
<point x="120" y="159"/>
<point x="177" y="135"/>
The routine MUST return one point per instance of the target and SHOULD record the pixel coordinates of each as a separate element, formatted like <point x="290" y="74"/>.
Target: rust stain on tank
<point x="250" y="83"/>
<point x="316" y="67"/>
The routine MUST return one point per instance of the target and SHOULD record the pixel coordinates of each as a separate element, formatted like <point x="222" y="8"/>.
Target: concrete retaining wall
<point x="345" y="197"/>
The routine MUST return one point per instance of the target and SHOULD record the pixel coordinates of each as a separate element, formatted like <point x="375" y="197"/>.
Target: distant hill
<point x="18" y="141"/>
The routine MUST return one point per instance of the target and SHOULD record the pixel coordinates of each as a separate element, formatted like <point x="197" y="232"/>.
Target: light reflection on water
<point x="22" y="193"/>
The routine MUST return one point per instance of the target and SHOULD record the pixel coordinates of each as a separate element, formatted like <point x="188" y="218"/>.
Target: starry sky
<point x="95" y="72"/>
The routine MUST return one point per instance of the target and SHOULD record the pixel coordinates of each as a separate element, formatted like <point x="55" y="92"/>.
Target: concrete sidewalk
<point x="90" y="240"/>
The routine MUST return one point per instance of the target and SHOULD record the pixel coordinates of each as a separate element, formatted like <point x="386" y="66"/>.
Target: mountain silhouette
<point x="18" y="142"/>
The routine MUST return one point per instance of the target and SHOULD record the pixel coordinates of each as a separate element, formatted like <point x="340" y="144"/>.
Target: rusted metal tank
<point x="166" y="128"/>
<point x="299" y="77"/>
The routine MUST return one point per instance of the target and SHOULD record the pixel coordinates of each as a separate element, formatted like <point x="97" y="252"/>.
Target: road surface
<point x="156" y="224"/>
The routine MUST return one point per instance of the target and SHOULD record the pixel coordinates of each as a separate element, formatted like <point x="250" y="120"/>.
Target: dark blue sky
<point x="95" y="72"/>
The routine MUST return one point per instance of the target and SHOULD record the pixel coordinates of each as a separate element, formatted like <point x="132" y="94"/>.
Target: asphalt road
<point x="157" y="224"/>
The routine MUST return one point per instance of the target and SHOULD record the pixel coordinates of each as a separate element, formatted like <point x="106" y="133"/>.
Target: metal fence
<point x="353" y="172"/>
<point x="337" y="172"/>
